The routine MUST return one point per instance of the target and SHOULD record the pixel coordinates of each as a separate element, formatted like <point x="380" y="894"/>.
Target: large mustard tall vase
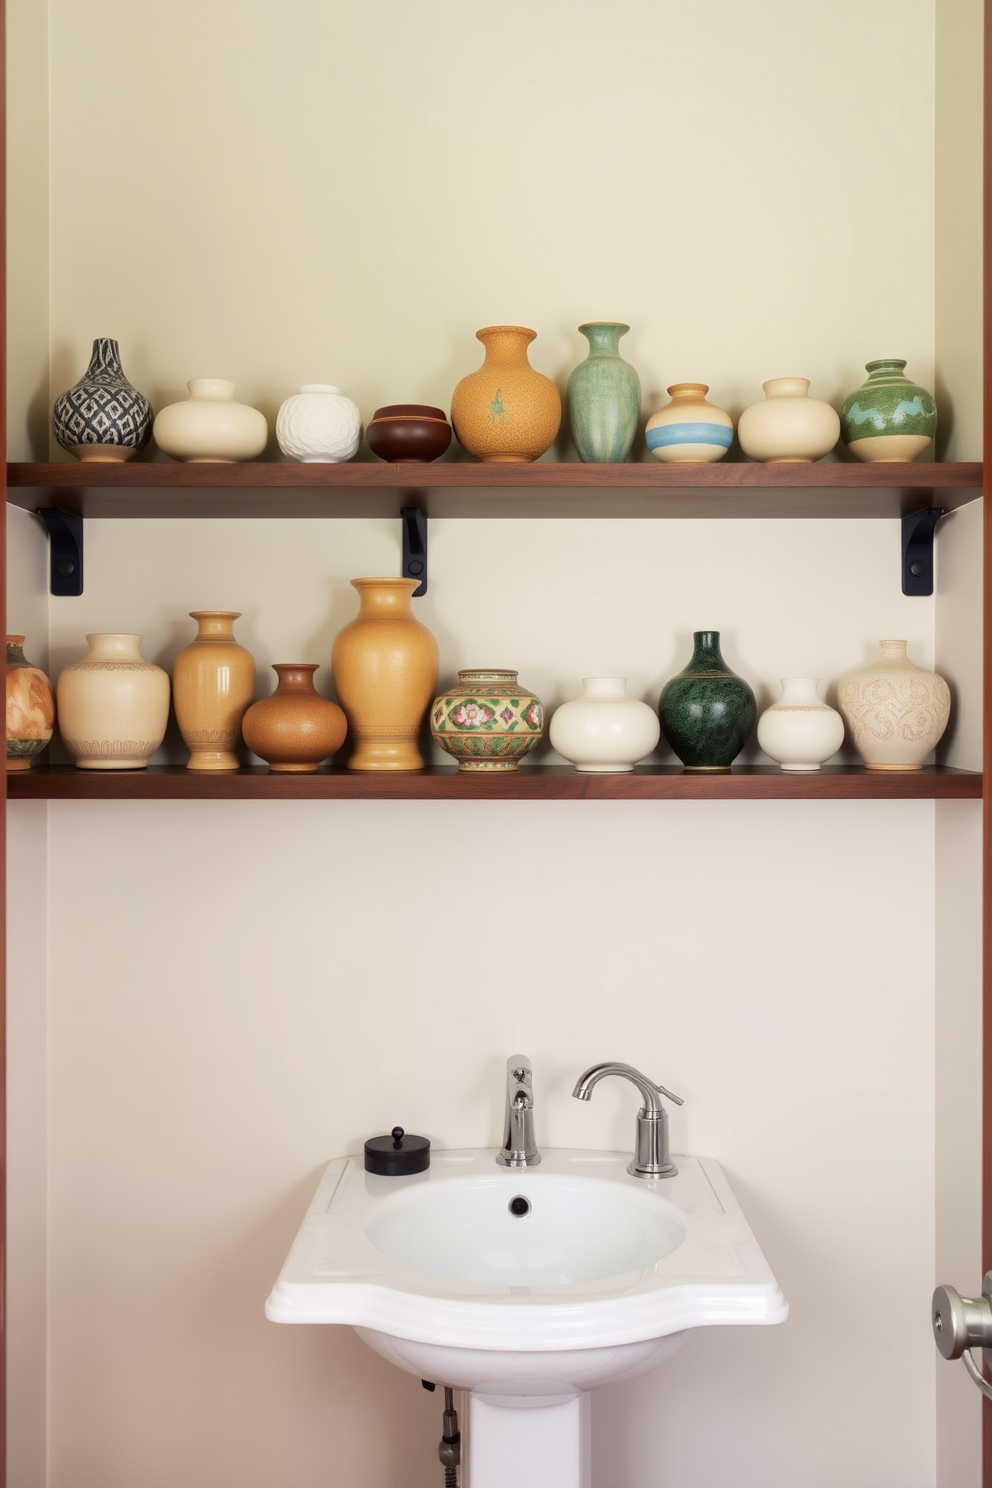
<point x="385" y="673"/>
<point x="506" y="410"/>
<point x="213" y="683"/>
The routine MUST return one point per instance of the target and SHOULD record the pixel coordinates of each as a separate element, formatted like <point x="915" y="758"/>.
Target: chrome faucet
<point x="519" y="1148"/>
<point x="651" y="1156"/>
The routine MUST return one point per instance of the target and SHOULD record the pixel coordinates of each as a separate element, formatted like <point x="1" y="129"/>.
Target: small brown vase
<point x="506" y="410"/>
<point x="385" y="672"/>
<point x="213" y="682"/>
<point x="30" y="707"/>
<point x="294" y="728"/>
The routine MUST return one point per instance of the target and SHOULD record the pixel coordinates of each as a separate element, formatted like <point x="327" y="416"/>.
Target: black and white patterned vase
<point x="102" y="417"/>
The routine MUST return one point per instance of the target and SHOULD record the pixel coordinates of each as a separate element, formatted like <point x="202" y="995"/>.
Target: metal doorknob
<point x="961" y="1324"/>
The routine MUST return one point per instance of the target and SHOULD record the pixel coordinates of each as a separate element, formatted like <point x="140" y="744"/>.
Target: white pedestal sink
<point x="527" y="1288"/>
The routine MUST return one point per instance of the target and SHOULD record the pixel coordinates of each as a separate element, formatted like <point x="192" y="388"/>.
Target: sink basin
<point x="540" y="1280"/>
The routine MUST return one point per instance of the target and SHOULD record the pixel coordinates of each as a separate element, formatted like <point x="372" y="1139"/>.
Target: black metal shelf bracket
<point x="65" y="532"/>
<point x="917" y="550"/>
<point x="415" y="547"/>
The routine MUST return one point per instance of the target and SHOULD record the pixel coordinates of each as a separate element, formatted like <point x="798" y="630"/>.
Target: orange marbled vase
<point x="385" y="673"/>
<point x="294" y="728"/>
<point x="30" y="707"/>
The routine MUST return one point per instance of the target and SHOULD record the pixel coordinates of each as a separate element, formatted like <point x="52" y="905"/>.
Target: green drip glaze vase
<point x="888" y="417"/>
<point x="604" y="397"/>
<point x="707" y="712"/>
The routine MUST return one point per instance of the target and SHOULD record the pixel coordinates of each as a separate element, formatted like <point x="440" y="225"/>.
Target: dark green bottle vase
<point x="707" y="712"/>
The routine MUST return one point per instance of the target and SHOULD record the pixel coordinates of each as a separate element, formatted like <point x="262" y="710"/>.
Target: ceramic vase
<point x="385" y="672"/>
<point x="888" y="417"/>
<point x="707" y="712"/>
<point x="30" y="707"/>
<point x="210" y="426"/>
<point x="689" y="429"/>
<point x="506" y="411"/>
<point x="800" y="732"/>
<point x="319" y="425"/>
<point x="113" y="705"/>
<point x="487" y="721"/>
<point x="102" y="417"/>
<point x="294" y="728"/>
<point x="895" y="711"/>
<point x="213" y="682"/>
<point x="604" y="397"/>
<point x="604" y="732"/>
<point x="788" y="425"/>
<point x="409" y="431"/>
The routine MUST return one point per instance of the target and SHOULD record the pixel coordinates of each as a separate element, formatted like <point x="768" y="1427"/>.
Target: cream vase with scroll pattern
<point x="895" y="711"/>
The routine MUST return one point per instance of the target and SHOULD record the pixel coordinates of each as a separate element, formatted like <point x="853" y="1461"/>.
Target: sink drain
<point x="519" y="1206"/>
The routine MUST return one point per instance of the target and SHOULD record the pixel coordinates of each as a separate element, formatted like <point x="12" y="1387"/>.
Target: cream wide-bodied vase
<point x="213" y="683"/>
<point x="113" y="705"/>
<point x="210" y="426"/>
<point x="385" y="671"/>
<point x="319" y="425"/>
<point x="895" y="711"/>
<point x="788" y="425"/>
<point x="800" y="732"/>
<point x="506" y="411"/>
<point x="605" y="731"/>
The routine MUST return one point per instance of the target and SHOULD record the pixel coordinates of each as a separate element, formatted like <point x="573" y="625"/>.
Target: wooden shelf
<point x="551" y="783"/>
<point x="470" y="489"/>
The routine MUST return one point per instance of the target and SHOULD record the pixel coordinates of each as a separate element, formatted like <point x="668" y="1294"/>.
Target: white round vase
<point x="210" y="426"/>
<point x="895" y="711"/>
<point x="788" y="425"/>
<point x="800" y="732"/>
<point x="604" y="732"/>
<point x="319" y="425"/>
<point x="112" y="706"/>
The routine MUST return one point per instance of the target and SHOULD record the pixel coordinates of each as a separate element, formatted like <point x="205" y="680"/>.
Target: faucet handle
<point x="670" y="1095"/>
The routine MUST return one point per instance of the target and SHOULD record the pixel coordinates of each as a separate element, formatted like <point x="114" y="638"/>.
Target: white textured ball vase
<point x="604" y="732"/>
<point x="799" y="732"/>
<point x="319" y="425"/>
<point x="788" y="425"/>
<point x="895" y="711"/>
<point x="210" y="426"/>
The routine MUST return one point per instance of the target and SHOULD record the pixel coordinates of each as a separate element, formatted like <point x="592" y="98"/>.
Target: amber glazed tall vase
<point x="385" y="672"/>
<point x="213" y="683"/>
<point x="506" y="411"/>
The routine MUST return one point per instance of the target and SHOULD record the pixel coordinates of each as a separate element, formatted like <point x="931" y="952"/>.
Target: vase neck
<point x="506" y="345"/>
<point x="15" y="652"/>
<point x="501" y="676"/>
<point x="604" y="687"/>
<point x="888" y="370"/>
<point x="706" y="655"/>
<point x="604" y="336"/>
<point x="892" y="650"/>
<point x="105" y="358"/>
<point x="294" y="676"/>
<point x="215" y="625"/>
<point x="214" y="388"/>
<point x="681" y="392"/>
<point x="801" y="691"/>
<point x="107" y="647"/>
<point x="786" y="387"/>
<point x="385" y="599"/>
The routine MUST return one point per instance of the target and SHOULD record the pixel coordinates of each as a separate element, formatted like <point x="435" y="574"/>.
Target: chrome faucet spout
<point x="651" y="1155"/>
<point x="519" y="1148"/>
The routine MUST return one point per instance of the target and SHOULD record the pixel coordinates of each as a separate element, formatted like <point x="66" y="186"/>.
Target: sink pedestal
<point x="529" y="1441"/>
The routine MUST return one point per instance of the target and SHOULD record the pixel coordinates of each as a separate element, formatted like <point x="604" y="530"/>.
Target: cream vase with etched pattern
<point x="895" y="711"/>
<point x="113" y="705"/>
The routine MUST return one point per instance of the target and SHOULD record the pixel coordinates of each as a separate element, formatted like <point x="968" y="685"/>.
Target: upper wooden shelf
<point x="531" y="783"/>
<point x="470" y="489"/>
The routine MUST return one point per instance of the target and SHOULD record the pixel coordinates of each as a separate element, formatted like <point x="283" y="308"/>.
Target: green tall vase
<point x="707" y="712"/>
<point x="604" y="397"/>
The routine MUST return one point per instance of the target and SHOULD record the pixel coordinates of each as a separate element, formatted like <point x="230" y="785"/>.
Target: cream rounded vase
<point x="604" y="732"/>
<point x="800" y="732"/>
<point x="895" y="711"/>
<point x="113" y="705"/>
<point x="210" y="426"/>
<point x="788" y="425"/>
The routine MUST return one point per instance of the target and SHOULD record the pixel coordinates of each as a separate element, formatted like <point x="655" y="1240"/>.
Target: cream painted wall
<point x="219" y="1024"/>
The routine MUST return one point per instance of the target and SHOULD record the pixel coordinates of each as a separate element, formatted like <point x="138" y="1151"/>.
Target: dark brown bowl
<point x="408" y="431"/>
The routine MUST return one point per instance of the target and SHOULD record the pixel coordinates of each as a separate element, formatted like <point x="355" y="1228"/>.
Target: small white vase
<point x="319" y="425"/>
<point x="788" y="425"/>
<point x="604" y="732"/>
<point x="895" y="711"/>
<point x="210" y="426"/>
<point x="800" y="732"/>
<point x="113" y="705"/>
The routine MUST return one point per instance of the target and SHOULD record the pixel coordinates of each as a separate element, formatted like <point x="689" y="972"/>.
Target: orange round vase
<point x="213" y="682"/>
<point x="385" y="672"/>
<point x="30" y="707"/>
<point x="294" y="728"/>
<point x="506" y="410"/>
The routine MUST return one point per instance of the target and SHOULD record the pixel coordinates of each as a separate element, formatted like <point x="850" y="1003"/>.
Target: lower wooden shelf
<point x="537" y="783"/>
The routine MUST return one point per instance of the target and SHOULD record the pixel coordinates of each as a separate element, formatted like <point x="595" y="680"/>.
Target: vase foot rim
<point x="893" y="767"/>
